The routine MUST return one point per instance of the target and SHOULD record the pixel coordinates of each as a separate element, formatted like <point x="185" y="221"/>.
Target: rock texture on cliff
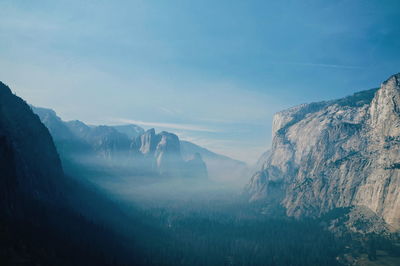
<point x="337" y="153"/>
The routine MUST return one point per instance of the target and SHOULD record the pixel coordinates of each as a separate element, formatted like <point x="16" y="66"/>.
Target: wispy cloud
<point x="188" y="127"/>
<point x="169" y="111"/>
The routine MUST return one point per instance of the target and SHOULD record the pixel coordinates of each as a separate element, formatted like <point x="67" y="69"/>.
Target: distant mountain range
<point x="334" y="154"/>
<point x="137" y="151"/>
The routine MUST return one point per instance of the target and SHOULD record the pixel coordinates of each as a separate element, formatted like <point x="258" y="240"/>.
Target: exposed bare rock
<point x="336" y="154"/>
<point x="147" y="142"/>
<point x="168" y="154"/>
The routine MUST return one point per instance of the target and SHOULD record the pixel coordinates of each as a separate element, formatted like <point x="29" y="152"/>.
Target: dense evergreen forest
<point x="215" y="239"/>
<point x="186" y="239"/>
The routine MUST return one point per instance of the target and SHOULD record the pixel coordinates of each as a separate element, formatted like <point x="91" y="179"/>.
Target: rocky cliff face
<point x="146" y="143"/>
<point x="336" y="154"/>
<point x="163" y="151"/>
<point x="168" y="154"/>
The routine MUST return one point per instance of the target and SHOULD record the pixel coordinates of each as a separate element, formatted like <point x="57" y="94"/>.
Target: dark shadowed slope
<point x="38" y="222"/>
<point x="27" y="143"/>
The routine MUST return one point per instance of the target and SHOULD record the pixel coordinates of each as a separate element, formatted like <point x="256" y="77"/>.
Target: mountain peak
<point x="131" y="130"/>
<point x="393" y="78"/>
<point x="150" y="131"/>
<point x="4" y="88"/>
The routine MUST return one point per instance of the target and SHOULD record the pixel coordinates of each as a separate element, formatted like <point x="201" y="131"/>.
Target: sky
<point x="213" y="72"/>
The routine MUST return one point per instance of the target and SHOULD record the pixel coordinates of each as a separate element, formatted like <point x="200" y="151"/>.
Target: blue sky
<point x="213" y="72"/>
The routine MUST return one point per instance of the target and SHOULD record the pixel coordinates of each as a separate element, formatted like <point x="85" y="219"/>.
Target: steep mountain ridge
<point x="121" y="148"/>
<point x="132" y="131"/>
<point x="336" y="153"/>
<point x="31" y="161"/>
